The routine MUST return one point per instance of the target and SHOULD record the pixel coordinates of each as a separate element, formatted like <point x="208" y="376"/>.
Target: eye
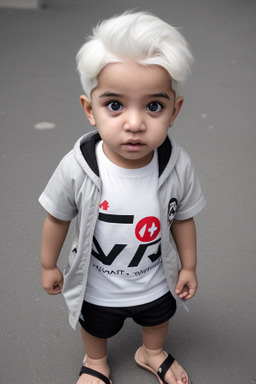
<point x="114" y="106"/>
<point x="154" y="106"/>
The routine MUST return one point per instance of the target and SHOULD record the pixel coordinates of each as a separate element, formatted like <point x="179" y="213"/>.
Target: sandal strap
<point x="165" y="366"/>
<point x="94" y="373"/>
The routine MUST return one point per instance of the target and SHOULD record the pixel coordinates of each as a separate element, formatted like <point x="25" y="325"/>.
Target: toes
<point x="179" y="373"/>
<point x="170" y="378"/>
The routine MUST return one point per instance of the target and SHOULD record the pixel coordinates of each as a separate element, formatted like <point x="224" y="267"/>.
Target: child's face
<point x="132" y="106"/>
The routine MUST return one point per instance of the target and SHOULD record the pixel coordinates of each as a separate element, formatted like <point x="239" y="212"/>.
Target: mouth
<point x="134" y="142"/>
<point x="133" y="145"/>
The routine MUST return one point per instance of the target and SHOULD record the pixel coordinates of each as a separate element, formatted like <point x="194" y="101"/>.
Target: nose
<point x="134" y="121"/>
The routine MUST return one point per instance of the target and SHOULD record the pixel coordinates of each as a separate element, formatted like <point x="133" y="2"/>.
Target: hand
<point x="52" y="280"/>
<point x="187" y="284"/>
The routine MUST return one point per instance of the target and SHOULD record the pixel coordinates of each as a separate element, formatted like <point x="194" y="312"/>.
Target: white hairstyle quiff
<point x="140" y="37"/>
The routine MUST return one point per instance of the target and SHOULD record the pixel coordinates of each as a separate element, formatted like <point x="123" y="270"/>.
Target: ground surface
<point x="216" y="340"/>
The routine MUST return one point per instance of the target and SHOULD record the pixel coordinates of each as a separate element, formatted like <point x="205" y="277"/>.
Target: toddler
<point x="134" y="193"/>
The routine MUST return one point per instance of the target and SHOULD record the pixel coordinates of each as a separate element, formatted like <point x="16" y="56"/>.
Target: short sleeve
<point x="58" y="198"/>
<point x="192" y="200"/>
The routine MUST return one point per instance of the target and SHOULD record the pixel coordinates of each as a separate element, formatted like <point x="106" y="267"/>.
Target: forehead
<point x="133" y="77"/>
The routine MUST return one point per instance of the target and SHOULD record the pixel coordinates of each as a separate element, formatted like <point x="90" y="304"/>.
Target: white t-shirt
<point x="126" y="265"/>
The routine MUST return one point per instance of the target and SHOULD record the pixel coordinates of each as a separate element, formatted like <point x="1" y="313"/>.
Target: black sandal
<point x="94" y="373"/>
<point x="160" y="374"/>
<point x="165" y="366"/>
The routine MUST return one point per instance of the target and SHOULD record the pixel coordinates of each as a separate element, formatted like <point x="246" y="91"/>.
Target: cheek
<point x="160" y="135"/>
<point x="107" y="134"/>
<point x="162" y="130"/>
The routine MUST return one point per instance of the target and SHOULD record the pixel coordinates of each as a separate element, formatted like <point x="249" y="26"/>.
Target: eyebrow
<point x="157" y="95"/>
<point x="164" y="95"/>
<point x="110" y="94"/>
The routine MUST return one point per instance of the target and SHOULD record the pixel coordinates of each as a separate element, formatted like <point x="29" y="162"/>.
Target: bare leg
<point x="152" y="354"/>
<point x="96" y="357"/>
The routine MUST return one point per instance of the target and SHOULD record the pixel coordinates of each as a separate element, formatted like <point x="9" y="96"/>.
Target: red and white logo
<point x="147" y="229"/>
<point x="104" y="205"/>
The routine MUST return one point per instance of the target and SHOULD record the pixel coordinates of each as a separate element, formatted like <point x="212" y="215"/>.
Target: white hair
<point x="140" y="37"/>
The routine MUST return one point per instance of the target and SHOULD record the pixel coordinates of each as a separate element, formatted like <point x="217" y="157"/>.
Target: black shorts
<point x="105" y="322"/>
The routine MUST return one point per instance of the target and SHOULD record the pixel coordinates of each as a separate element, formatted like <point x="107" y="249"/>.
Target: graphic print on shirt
<point x="147" y="229"/>
<point x="146" y="233"/>
<point x="104" y="205"/>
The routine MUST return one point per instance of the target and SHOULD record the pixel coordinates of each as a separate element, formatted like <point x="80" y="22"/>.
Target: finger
<point x="184" y="294"/>
<point x="57" y="288"/>
<point x="191" y="293"/>
<point x="54" y="292"/>
<point x="180" y="288"/>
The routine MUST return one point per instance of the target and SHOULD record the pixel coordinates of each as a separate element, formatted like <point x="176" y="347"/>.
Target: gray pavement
<point x="216" y="341"/>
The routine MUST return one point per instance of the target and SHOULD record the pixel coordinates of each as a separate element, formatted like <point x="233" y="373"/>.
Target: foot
<point x="99" y="365"/>
<point x="153" y="359"/>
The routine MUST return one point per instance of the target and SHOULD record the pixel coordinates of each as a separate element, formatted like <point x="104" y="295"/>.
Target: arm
<point x="53" y="236"/>
<point x="184" y="234"/>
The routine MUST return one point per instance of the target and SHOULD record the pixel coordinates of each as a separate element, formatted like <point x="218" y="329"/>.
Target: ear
<point x="176" y="109"/>
<point x="87" y="107"/>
